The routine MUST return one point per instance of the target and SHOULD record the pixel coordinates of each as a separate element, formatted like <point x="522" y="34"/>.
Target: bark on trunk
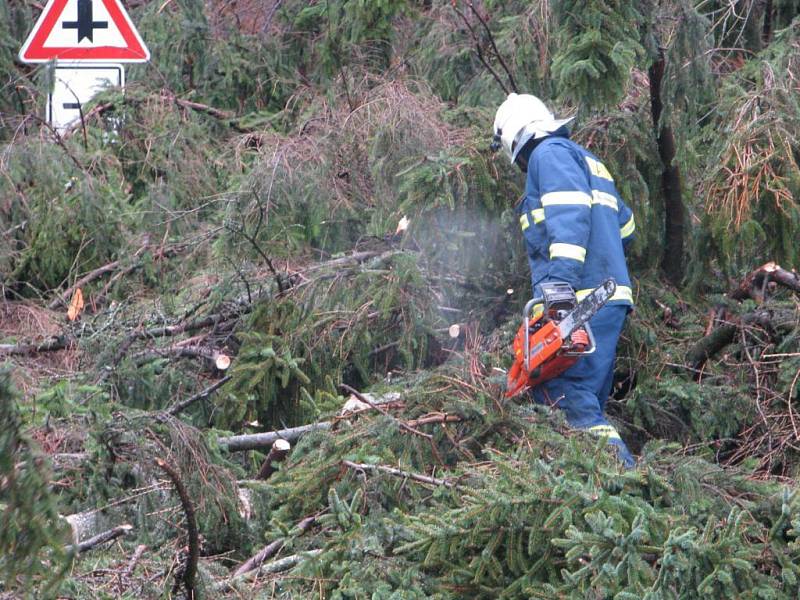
<point x="101" y="538"/>
<point x="254" y="441"/>
<point x="672" y="261"/>
<point x="271" y="549"/>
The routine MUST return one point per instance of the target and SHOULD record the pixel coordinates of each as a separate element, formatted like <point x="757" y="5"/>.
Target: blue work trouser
<point x="582" y="390"/>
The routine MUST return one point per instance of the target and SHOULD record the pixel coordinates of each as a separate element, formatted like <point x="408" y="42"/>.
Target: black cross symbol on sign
<point x="85" y="23"/>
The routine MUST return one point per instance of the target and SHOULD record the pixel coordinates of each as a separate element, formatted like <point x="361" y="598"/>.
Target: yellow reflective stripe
<point x="604" y="199"/>
<point x="598" y="169"/>
<point x="560" y="198"/>
<point x="623" y="292"/>
<point x="538" y="215"/>
<point x="605" y="430"/>
<point x="572" y="251"/>
<point x="628" y="228"/>
<point x="523" y="221"/>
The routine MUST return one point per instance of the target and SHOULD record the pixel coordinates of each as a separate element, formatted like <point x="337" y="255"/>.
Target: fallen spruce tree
<point x="435" y="486"/>
<point x="501" y="502"/>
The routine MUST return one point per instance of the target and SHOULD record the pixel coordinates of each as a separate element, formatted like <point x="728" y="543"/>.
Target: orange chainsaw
<point x="554" y="335"/>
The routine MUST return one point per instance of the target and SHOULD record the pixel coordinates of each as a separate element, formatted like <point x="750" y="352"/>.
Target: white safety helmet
<point x="520" y="118"/>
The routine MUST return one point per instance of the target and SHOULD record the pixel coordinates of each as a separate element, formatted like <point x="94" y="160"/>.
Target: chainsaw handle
<point x="590" y="348"/>
<point x="527" y="320"/>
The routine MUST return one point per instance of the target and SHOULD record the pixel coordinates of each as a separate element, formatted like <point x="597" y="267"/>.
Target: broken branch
<point x="272" y="548"/>
<point x="25" y="348"/>
<point x="494" y="45"/>
<point x="479" y="49"/>
<point x="398" y="473"/>
<point x="434" y="418"/>
<point x="277" y="566"/>
<point x="278" y="452"/>
<point x="708" y="346"/>
<point x="756" y="284"/>
<point x="137" y="554"/>
<point x="184" y="404"/>
<point x="100" y="538"/>
<point x="254" y="441"/>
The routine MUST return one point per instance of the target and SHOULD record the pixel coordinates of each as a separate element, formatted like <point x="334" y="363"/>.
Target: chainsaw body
<point x="554" y="334"/>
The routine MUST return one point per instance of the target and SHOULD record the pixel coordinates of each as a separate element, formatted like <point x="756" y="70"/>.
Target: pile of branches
<point x="727" y="383"/>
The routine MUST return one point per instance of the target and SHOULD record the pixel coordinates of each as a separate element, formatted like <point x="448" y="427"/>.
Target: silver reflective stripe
<point x="561" y="198"/>
<point x="604" y="199"/>
<point x="572" y="251"/>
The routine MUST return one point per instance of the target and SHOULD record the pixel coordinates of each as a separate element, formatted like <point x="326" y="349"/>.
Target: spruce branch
<point x="190" y="570"/>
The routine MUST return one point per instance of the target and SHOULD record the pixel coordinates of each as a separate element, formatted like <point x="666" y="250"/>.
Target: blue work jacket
<point x="575" y="224"/>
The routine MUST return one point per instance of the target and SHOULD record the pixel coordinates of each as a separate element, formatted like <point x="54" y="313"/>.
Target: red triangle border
<point x="34" y="49"/>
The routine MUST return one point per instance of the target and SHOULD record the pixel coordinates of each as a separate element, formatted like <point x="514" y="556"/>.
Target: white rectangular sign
<point x="75" y="85"/>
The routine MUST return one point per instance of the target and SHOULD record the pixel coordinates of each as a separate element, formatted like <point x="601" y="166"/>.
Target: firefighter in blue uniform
<point x="576" y="229"/>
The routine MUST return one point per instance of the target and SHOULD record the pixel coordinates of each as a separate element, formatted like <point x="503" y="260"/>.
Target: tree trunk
<point x="766" y="32"/>
<point x="672" y="261"/>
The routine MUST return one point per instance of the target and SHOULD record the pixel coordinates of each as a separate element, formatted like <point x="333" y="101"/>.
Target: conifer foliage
<point x="290" y="221"/>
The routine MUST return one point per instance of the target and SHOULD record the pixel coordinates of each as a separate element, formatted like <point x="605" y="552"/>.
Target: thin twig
<point x="183" y="404"/>
<point x="137" y="554"/>
<point x="494" y="46"/>
<point x="434" y="418"/>
<point x="278" y="279"/>
<point x="479" y="50"/>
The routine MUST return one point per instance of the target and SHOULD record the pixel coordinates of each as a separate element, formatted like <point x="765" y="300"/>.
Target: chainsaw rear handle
<point x="527" y="320"/>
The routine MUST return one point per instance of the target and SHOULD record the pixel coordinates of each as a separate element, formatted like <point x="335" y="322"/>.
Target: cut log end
<point x="280" y="448"/>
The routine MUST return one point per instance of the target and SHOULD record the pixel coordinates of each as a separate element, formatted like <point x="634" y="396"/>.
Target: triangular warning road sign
<point x="84" y="30"/>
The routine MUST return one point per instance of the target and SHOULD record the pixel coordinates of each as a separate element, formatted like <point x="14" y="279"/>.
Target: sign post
<point x="87" y="40"/>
